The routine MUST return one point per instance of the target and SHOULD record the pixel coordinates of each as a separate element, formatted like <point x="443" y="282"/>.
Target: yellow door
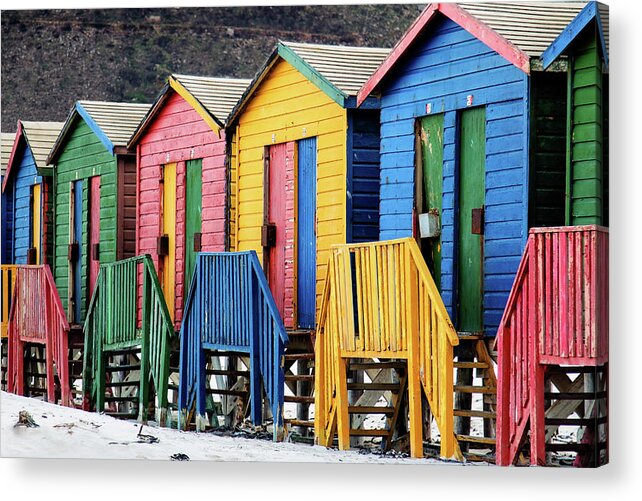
<point x="169" y="229"/>
<point x="36" y="227"/>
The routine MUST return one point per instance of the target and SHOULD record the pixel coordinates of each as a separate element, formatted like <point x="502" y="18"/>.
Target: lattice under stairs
<point x="299" y="384"/>
<point x="475" y="398"/>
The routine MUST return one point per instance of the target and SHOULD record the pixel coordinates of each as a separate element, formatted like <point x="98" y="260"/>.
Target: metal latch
<point x="162" y="245"/>
<point x="477" y="224"/>
<point x="197" y="242"/>
<point x="268" y="235"/>
<point x="72" y="252"/>
<point x="95" y="252"/>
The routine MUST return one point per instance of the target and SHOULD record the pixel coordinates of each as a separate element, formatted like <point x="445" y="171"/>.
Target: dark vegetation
<point x="51" y="58"/>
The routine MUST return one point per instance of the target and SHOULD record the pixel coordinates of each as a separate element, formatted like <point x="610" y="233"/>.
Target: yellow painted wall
<point x="287" y="107"/>
<point x="233" y="188"/>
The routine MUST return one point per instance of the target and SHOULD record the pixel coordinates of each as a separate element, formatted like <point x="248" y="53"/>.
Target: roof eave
<point x="214" y="123"/>
<point x="284" y="52"/>
<point x="564" y="40"/>
<point x="468" y="22"/>
<point x="80" y="112"/>
<point x="149" y="117"/>
<point x="12" y="156"/>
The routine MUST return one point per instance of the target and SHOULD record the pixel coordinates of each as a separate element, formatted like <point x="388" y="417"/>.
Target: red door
<point x="94" y="233"/>
<point x="276" y="217"/>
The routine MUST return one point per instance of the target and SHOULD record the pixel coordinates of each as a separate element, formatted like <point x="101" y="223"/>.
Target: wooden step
<point x="235" y="393"/>
<point x="475" y="440"/>
<point x="361" y="366"/>
<point x="576" y="421"/>
<point x="299" y="377"/>
<point x="575" y="396"/>
<point x="475" y="389"/>
<point x="299" y="332"/>
<point x="300" y="422"/>
<point x="221" y="353"/>
<point x="123" y="351"/>
<point x="474" y="413"/>
<point x="121" y="399"/>
<point x="299" y="356"/>
<point x="470" y="365"/>
<point x="389" y="411"/>
<point x="122" y="415"/>
<point x="225" y="372"/>
<point x="559" y="369"/>
<point x="121" y="384"/>
<point x="122" y="368"/>
<point x="296" y="399"/>
<point x="393" y="387"/>
<point x="470" y="336"/>
<point x="369" y="433"/>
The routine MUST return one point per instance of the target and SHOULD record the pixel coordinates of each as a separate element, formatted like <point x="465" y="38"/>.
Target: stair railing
<point x="380" y="301"/>
<point x="557" y="313"/>
<point x="230" y="307"/>
<point x="123" y="289"/>
<point x="37" y="316"/>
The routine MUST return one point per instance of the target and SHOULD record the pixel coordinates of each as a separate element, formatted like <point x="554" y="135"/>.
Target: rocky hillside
<point x="52" y="58"/>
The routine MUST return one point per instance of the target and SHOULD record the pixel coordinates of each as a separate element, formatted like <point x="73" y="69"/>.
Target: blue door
<point x="306" y="233"/>
<point x="77" y="239"/>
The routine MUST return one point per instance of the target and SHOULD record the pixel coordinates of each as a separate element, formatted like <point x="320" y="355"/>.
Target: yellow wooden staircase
<point x="380" y="303"/>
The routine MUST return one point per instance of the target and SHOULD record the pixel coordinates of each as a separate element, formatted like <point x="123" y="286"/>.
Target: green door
<point x="432" y="156"/>
<point x="193" y="218"/>
<point x="472" y="161"/>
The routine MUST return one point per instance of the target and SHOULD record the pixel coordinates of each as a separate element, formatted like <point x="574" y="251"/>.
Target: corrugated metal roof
<point x="347" y="68"/>
<point x="6" y="145"/>
<point x="41" y="137"/>
<point x="217" y="95"/>
<point x="530" y="26"/>
<point x="118" y="121"/>
<point x="604" y="18"/>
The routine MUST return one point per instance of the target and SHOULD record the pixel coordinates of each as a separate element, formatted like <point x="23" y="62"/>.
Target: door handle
<point x="477" y="223"/>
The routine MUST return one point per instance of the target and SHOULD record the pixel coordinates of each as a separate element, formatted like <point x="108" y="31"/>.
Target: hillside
<point x="52" y="58"/>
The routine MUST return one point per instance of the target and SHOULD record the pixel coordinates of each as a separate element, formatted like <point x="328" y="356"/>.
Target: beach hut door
<point x="34" y="253"/>
<point x="193" y="216"/>
<point x="431" y="135"/>
<point x="472" y="162"/>
<point x="273" y="233"/>
<point x="75" y="249"/>
<point x="94" y="233"/>
<point x="306" y="237"/>
<point x="167" y="242"/>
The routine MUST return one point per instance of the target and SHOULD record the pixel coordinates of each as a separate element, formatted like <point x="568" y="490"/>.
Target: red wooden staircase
<point x="553" y="348"/>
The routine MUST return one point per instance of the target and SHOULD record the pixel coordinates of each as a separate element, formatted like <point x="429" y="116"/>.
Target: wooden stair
<point x="299" y="381"/>
<point x="122" y="382"/>
<point x="473" y="361"/>
<point x="369" y="383"/>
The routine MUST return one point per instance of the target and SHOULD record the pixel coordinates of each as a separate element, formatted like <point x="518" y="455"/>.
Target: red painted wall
<point x="176" y="135"/>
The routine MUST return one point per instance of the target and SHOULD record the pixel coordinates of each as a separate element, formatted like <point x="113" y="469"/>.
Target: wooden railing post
<point x="143" y="400"/>
<point x="414" y="383"/>
<point x="255" y="325"/>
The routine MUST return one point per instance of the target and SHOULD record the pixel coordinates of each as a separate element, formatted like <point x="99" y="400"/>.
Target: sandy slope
<point x="72" y="433"/>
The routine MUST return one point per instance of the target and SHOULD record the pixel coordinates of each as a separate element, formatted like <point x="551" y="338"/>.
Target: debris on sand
<point x="179" y="456"/>
<point x="25" y="419"/>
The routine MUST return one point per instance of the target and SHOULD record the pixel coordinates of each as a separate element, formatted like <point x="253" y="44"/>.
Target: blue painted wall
<point x="363" y="175"/>
<point x="445" y="66"/>
<point x="24" y="176"/>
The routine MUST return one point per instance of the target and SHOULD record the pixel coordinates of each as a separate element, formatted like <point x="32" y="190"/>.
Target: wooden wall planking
<point x="287" y="107"/>
<point x="445" y="67"/>
<point x="177" y="134"/>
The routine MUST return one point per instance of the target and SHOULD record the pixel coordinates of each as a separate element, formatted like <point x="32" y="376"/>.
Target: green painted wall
<point x="586" y="141"/>
<point x="83" y="156"/>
